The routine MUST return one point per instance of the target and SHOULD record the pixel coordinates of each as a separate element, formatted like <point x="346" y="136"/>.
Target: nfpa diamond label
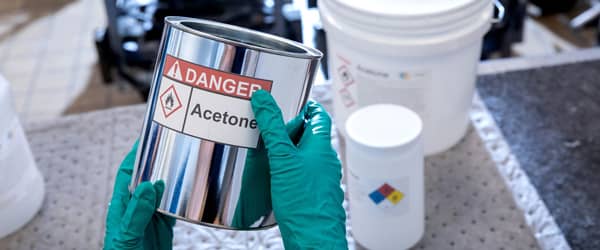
<point x="169" y="101"/>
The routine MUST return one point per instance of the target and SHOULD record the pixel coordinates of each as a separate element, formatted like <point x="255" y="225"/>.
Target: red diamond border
<point x="176" y="96"/>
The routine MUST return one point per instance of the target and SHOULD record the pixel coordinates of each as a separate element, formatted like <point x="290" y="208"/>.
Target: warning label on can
<point x="207" y="103"/>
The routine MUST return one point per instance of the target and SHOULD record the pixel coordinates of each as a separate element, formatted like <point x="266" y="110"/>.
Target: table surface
<point x="549" y="117"/>
<point x="468" y="204"/>
<point x="477" y="195"/>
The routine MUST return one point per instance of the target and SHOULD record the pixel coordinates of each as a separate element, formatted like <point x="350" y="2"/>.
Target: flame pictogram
<point x="169" y="101"/>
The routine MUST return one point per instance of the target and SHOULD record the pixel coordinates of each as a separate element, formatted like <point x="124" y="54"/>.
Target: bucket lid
<point x="406" y="14"/>
<point x="406" y="8"/>
<point x="428" y="24"/>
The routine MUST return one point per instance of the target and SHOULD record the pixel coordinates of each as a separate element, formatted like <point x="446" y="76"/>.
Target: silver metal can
<point x="199" y="135"/>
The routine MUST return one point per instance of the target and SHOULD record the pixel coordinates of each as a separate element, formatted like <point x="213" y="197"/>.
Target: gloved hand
<point x="305" y="177"/>
<point x="131" y="221"/>
<point x="255" y="202"/>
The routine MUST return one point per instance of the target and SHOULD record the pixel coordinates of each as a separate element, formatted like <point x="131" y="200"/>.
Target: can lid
<point x="243" y="37"/>
<point x="384" y="126"/>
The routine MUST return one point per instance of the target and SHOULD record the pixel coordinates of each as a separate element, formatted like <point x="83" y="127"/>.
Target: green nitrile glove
<point x="131" y="221"/>
<point x="305" y="177"/>
<point x="254" y="202"/>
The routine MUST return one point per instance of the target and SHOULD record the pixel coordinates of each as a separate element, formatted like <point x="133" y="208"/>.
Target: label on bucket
<point x="357" y="84"/>
<point x="208" y="103"/>
<point x="403" y="87"/>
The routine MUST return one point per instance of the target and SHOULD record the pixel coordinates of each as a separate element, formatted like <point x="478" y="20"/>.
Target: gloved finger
<point x="138" y="214"/>
<point x="318" y="125"/>
<point x="295" y="127"/>
<point x="319" y="119"/>
<point x="159" y="188"/>
<point x="271" y="125"/>
<point x="121" y="195"/>
<point x="129" y="160"/>
<point x="123" y="177"/>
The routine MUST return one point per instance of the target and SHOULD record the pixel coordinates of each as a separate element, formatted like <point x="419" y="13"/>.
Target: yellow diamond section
<point x="395" y="197"/>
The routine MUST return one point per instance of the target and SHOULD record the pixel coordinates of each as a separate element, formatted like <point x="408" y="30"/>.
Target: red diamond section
<point x="169" y="101"/>
<point x="386" y="189"/>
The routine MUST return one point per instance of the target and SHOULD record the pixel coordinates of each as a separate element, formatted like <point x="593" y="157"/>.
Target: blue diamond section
<point x="376" y="196"/>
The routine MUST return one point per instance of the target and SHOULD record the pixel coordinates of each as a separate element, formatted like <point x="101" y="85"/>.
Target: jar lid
<point x="384" y="126"/>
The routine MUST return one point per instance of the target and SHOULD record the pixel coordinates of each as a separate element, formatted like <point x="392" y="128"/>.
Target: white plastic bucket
<point x="419" y="54"/>
<point x="21" y="184"/>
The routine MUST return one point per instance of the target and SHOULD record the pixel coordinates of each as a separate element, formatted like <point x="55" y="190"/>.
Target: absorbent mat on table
<point x="467" y="203"/>
<point x="550" y="117"/>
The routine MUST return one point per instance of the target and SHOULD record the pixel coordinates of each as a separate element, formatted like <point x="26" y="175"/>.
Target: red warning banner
<point x="213" y="80"/>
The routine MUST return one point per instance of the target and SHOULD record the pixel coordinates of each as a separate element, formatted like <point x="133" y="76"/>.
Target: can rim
<point x="308" y="52"/>
<point x="197" y="222"/>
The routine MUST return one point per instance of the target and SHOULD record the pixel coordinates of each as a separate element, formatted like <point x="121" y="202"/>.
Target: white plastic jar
<point x="419" y="54"/>
<point x="385" y="176"/>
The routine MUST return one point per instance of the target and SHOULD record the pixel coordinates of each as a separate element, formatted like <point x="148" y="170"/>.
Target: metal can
<point x="199" y="135"/>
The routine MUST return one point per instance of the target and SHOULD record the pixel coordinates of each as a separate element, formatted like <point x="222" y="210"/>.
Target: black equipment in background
<point x="128" y="45"/>
<point x="507" y="32"/>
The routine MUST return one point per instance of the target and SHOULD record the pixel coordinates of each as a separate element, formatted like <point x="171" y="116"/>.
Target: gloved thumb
<point x="138" y="214"/>
<point x="319" y="125"/>
<point x="271" y="125"/>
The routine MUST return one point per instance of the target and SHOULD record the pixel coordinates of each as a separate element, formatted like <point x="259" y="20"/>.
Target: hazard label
<point x="174" y="71"/>
<point x="382" y="196"/>
<point x="213" y="80"/>
<point x="169" y="101"/>
<point x="345" y="75"/>
<point x="207" y="103"/>
<point x="347" y="81"/>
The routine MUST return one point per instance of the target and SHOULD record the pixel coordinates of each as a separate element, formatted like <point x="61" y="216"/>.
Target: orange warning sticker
<point x="213" y="80"/>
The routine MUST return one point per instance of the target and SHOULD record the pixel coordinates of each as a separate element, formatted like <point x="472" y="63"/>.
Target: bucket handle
<point x="500" y="16"/>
